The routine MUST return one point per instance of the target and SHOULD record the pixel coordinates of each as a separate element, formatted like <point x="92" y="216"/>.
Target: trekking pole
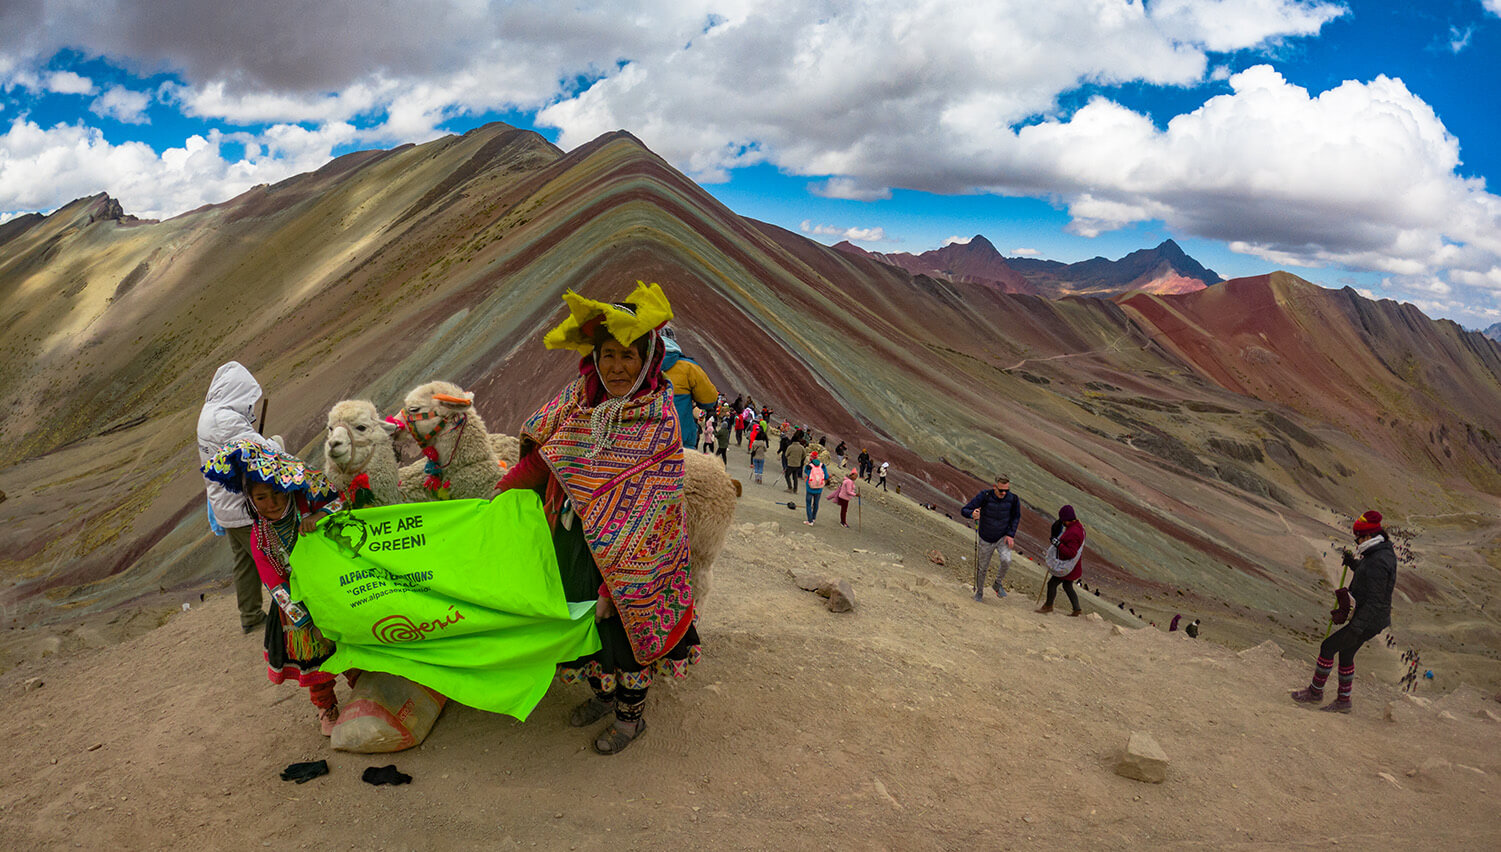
<point x="260" y="420"/>
<point x="859" y="514"/>
<point x="1330" y="627"/>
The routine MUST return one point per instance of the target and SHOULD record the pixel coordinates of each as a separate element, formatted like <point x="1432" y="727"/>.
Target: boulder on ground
<point x="1143" y="760"/>
<point x="809" y="582"/>
<point x="1401" y="712"/>
<point x="935" y="557"/>
<point x="841" y="597"/>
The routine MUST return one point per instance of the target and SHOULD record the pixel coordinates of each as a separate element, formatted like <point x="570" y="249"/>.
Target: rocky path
<point x="922" y="720"/>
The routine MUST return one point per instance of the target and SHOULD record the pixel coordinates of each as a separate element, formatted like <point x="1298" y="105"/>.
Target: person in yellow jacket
<point x="690" y="384"/>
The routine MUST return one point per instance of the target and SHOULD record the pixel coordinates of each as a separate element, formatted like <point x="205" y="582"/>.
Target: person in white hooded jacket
<point x="229" y="414"/>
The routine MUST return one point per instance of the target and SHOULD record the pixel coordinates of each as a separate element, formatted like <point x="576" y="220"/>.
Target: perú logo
<point x="396" y="629"/>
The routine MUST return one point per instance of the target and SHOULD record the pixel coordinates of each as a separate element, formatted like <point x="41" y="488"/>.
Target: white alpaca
<point x="709" y="496"/>
<point x="358" y="441"/>
<point x="440" y="418"/>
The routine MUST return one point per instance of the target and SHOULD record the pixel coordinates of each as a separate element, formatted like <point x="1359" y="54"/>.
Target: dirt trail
<point x="923" y="720"/>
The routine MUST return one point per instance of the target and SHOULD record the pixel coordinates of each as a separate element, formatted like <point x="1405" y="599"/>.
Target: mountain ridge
<point x="1167" y="419"/>
<point x="1163" y="269"/>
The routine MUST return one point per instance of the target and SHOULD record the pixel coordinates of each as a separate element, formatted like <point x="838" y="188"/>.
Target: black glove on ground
<point x="304" y="772"/>
<point x="385" y="775"/>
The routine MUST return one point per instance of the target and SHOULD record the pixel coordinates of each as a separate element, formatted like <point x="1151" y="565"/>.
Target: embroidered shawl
<point x="629" y="497"/>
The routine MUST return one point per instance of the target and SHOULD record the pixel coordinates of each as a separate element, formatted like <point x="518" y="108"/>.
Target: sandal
<point x="590" y="711"/>
<point x="613" y="740"/>
<point x="327" y="719"/>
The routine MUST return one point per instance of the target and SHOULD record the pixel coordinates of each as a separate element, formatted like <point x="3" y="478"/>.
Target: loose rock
<point x="810" y="582"/>
<point x="936" y="557"/>
<point x="1143" y="760"/>
<point x="842" y="597"/>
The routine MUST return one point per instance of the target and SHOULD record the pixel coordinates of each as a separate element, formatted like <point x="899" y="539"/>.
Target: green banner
<point x="462" y="596"/>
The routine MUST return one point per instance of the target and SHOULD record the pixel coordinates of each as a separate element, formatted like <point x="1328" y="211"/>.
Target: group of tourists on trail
<point x="1363" y="608"/>
<point x="997" y="514"/>
<point x="604" y="457"/>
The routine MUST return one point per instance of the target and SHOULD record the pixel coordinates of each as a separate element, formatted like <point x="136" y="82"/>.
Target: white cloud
<point x="122" y="105"/>
<point x="854" y="235"/>
<point x="849" y="190"/>
<point x="1226" y="25"/>
<point x="1492" y="6"/>
<point x="957" y="241"/>
<point x="1460" y="39"/>
<point x="68" y="83"/>
<point x="42" y="169"/>
<point x="1025" y="252"/>
<point x="948" y="96"/>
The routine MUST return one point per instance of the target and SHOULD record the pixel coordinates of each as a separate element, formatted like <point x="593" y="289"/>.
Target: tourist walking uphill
<point x="1370" y="593"/>
<point x="758" y="447"/>
<point x="690" y="386"/>
<point x="1064" y="559"/>
<point x="817" y="475"/>
<point x="793" y="457"/>
<point x="229" y="415"/>
<point x="997" y="513"/>
<point x="606" y="454"/>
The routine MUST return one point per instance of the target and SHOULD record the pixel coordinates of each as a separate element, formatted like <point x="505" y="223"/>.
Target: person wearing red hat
<point x="1370" y="593"/>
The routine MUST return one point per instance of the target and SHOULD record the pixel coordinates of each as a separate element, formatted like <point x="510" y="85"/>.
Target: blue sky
<point x="1349" y="142"/>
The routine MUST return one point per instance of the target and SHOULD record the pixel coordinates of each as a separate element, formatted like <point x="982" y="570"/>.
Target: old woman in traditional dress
<point x="607" y="455"/>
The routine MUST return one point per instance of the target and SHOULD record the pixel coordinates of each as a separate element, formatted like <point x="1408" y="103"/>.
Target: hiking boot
<point x="1308" y="695"/>
<point x="1076" y="613"/>
<point x="1044" y="609"/>
<point x="1338" y="705"/>
<point x="999" y="592"/>
<point x="979" y="596"/>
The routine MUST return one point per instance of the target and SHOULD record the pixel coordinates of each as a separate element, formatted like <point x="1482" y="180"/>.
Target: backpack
<point x="816" y="477"/>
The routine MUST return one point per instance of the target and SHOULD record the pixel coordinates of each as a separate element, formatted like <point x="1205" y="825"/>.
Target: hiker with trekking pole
<point x="997" y="513"/>
<point x="847" y="491"/>
<point x="1064" y="560"/>
<point x="1374" y="562"/>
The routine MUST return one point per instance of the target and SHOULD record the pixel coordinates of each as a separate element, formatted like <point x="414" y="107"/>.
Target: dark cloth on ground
<point x="304" y="772"/>
<point x="387" y="774"/>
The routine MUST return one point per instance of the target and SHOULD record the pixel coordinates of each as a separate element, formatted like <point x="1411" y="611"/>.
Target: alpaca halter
<point x="436" y="483"/>
<point x="359" y="493"/>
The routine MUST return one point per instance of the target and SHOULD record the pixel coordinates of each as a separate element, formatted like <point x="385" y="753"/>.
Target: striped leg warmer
<point x="1346" y="681"/>
<point x="1321" y="669"/>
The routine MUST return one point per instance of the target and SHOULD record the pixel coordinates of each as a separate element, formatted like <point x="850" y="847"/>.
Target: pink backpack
<point x="816" y="476"/>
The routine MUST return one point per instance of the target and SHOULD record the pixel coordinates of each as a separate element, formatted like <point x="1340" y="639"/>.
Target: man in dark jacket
<point x="1375" y="564"/>
<point x="997" y="512"/>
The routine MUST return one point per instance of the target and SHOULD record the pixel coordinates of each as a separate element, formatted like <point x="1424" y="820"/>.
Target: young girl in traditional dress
<point x="285" y="499"/>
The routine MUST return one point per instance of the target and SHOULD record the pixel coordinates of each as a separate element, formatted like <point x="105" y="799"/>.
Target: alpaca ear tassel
<point x="455" y="401"/>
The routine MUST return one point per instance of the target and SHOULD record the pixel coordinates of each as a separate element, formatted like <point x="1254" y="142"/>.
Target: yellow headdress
<point x="576" y="330"/>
